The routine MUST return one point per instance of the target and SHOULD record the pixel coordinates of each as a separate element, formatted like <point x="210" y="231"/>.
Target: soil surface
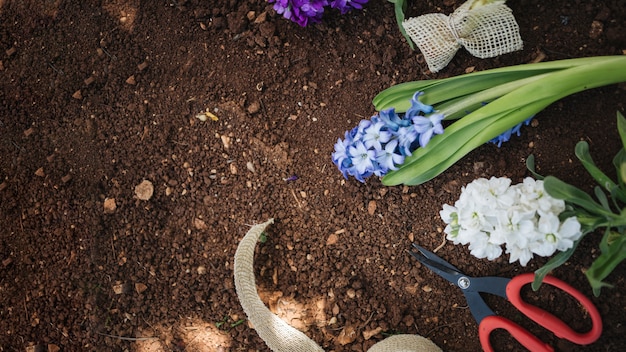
<point x="100" y="96"/>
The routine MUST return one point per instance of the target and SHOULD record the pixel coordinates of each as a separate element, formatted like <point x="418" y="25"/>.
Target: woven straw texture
<point x="484" y="31"/>
<point x="277" y="334"/>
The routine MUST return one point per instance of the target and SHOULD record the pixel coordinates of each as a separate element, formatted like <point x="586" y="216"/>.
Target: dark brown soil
<point x="98" y="96"/>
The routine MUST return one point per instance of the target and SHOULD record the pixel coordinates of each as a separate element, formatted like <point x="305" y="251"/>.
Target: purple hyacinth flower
<point x="418" y="107"/>
<point x="362" y="158"/>
<point x="427" y="127"/>
<point x="388" y="157"/>
<point x="346" y="5"/>
<point x="308" y="10"/>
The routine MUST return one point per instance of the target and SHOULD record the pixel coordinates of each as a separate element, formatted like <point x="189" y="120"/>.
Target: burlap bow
<point x="484" y="28"/>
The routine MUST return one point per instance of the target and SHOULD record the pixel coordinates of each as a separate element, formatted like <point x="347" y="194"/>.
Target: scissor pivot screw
<point x="463" y="282"/>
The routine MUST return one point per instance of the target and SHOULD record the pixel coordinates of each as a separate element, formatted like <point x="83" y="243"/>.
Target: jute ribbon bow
<point x="485" y="28"/>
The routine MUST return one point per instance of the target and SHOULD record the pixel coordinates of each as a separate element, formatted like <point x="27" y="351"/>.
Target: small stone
<point x="11" y="51"/>
<point x="118" y="288"/>
<point x="347" y="335"/>
<point x="40" y="172"/>
<point x="144" y="190"/>
<point x="199" y="224"/>
<point x="109" y="205"/>
<point x="78" y="95"/>
<point x="332" y="239"/>
<point x="67" y="178"/>
<point x="254" y="107"/>
<point x="412" y="289"/>
<point x="250" y="166"/>
<point x="371" y="207"/>
<point x="427" y="288"/>
<point x="261" y="18"/>
<point x="140" y="288"/>
<point x="225" y="141"/>
<point x="201" y="270"/>
<point x="89" y="80"/>
<point x="131" y="80"/>
<point x="142" y="66"/>
<point x="28" y="132"/>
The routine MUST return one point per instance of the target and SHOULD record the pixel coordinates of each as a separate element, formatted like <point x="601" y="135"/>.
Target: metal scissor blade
<point x="436" y="264"/>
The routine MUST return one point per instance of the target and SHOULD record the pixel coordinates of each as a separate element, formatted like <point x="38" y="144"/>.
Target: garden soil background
<point x="99" y="96"/>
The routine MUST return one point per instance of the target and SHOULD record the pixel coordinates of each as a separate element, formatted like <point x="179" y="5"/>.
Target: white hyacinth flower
<point x="491" y="213"/>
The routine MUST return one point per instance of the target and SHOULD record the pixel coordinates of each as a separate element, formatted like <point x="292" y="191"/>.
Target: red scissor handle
<point x="541" y="317"/>
<point x="528" y="340"/>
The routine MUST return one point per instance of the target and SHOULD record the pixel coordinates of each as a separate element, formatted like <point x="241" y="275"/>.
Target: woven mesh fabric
<point x="485" y="31"/>
<point x="277" y="334"/>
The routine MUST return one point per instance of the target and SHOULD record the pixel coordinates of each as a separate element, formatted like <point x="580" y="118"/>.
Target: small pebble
<point x="131" y="80"/>
<point x="371" y="207"/>
<point x="109" y="205"/>
<point x="139" y="287"/>
<point x="144" y="190"/>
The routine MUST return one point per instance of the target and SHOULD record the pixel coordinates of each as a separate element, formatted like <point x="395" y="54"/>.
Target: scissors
<point x="510" y="289"/>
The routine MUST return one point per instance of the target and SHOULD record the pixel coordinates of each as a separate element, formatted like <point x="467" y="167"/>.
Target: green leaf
<point x="582" y="152"/>
<point x="602" y="198"/>
<point x="621" y="128"/>
<point x="613" y="247"/>
<point x="530" y="165"/>
<point x="561" y="190"/>
<point x="451" y="90"/>
<point x="619" y="161"/>
<point x="445" y="89"/>
<point x="556" y="261"/>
